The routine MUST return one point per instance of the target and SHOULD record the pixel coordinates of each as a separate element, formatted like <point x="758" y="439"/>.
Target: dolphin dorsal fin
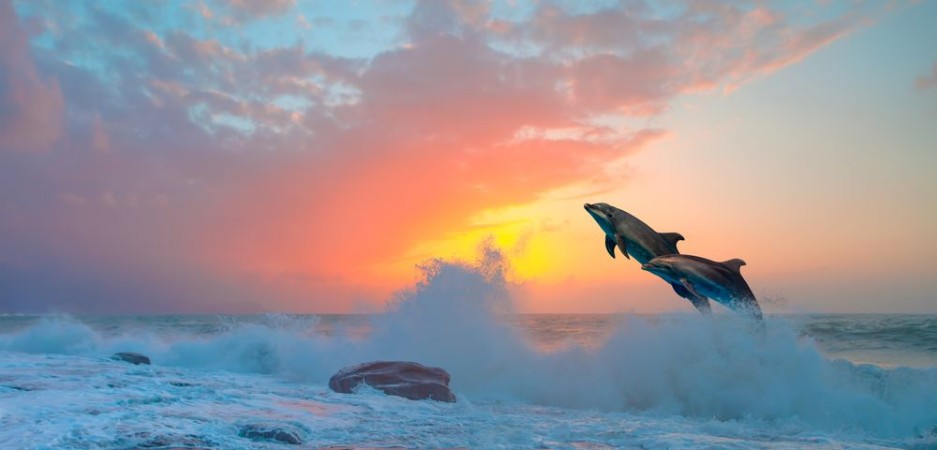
<point x="734" y="264"/>
<point x="672" y="239"/>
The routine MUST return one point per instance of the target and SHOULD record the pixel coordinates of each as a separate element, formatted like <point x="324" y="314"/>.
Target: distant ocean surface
<point x="885" y="340"/>
<point x="523" y="381"/>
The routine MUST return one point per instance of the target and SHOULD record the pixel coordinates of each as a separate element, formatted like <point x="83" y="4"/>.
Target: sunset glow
<point x="304" y="156"/>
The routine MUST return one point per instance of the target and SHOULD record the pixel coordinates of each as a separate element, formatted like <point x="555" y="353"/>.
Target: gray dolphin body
<point x="719" y="281"/>
<point x="635" y="238"/>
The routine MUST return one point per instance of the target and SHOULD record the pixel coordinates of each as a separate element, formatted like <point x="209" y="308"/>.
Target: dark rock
<point x="354" y="447"/>
<point x="346" y="447"/>
<point x="401" y="378"/>
<point x="170" y="441"/>
<point x="19" y="388"/>
<point x="132" y="358"/>
<point x="271" y="432"/>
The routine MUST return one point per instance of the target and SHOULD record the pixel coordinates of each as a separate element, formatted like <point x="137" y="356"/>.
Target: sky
<point x="284" y="155"/>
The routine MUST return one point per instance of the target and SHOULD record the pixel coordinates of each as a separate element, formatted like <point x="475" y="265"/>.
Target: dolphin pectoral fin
<point x="681" y="291"/>
<point x="610" y="245"/>
<point x="672" y="239"/>
<point x="623" y="246"/>
<point x="700" y="303"/>
<point x="689" y="287"/>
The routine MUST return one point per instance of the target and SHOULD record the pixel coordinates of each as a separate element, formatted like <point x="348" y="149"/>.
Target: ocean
<point x="522" y="381"/>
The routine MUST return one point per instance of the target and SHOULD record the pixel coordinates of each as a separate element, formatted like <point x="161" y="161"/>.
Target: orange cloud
<point x="298" y="175"/>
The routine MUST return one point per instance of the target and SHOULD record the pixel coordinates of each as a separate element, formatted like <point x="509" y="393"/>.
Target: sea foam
<point x="721" y="368"/>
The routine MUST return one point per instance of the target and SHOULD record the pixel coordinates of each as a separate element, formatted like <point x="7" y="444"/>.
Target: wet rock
<point x="401" y="378"/>
<point x="272" y="433"/>
<point x="352" y="447"/>
<point x="171" y="441"/>
<point x="355" y="447"/>
<point x="132" y="358"/>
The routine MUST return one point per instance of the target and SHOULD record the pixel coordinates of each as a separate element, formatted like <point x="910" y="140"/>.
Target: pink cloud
<point x="733" y="46"/>
<point x="295" y="171"/>
<point x="31" y="106"/>
<point x="927" y="81"/>
<point x="244" y="10"/>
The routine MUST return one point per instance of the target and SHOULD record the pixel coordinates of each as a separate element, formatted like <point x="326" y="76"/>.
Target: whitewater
<point x="558" y="382"/>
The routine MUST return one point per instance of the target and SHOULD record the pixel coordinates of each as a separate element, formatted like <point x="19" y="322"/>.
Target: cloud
<point x="233" y="166"/>
<point x="31" y="106"/>
<point x="927" y="81"/>
<point x="245" y="10"/>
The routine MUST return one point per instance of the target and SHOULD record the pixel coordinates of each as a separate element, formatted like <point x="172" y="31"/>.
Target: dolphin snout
<point x="587" y="206"/>
<point x="648" y="266"/>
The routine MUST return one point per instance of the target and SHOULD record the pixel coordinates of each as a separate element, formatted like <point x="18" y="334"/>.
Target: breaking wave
<point x="688" y="365"/>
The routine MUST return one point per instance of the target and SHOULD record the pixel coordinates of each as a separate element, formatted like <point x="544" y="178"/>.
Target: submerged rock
<point x="271" y="432"/>
<point x="401" y="378"/>
<point x="131" y="357"/>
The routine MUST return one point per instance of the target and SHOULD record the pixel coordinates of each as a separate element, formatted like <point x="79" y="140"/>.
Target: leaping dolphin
<point x="635" y="238"/>
<point x="719" y="281"/>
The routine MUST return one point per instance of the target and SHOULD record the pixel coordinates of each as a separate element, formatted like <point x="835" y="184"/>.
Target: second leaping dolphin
<point x="635" y="238"/>
<point x="719" y="281"/>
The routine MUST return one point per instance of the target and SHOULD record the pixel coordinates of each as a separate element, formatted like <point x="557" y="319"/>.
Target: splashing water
<point x="459" y="317"/>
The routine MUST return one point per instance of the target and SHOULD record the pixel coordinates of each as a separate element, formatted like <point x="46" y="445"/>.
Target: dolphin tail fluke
<point x="700" y="303"/>
<point x="672" y="239"/>
<point x="610" y="245"/>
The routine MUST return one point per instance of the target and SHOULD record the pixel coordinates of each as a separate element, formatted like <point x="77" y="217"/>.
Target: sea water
<point x="522" y="381"/>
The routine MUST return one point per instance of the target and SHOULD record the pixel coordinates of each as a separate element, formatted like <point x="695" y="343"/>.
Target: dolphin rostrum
<point x="719" y="281"/>
<point x="635" y="238"/>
